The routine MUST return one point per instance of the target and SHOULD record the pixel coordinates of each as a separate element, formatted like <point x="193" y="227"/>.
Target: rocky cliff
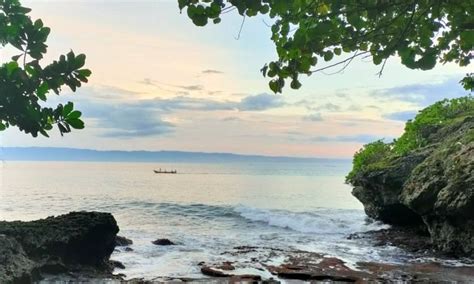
<point x="431" y="186"/>
<point x="75" y="242"/>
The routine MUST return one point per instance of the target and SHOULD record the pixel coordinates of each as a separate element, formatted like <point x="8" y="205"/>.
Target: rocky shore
<point x="76" y="244"/>
<point x="431" y="188"/>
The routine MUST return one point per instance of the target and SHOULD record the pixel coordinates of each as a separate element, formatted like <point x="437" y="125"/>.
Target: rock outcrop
<point x="68" y="243"/>
<point x="432" y="186"/>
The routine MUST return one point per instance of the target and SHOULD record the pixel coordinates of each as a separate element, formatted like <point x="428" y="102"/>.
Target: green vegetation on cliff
<point x="416" y="135"/>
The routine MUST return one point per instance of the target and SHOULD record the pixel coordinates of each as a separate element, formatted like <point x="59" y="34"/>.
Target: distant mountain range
<point x="71" y="154"/>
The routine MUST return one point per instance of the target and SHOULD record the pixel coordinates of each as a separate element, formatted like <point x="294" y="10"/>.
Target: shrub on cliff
<point x="417" y="131"/>
<point x="369" y="156"/>
<point x="416" y="135"/>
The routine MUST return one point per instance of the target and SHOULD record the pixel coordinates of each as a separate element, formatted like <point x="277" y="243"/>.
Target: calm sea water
<point x="207" y="209"/>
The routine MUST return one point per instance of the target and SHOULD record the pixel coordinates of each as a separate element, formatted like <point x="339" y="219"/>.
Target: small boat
<point x="165" y="171"/>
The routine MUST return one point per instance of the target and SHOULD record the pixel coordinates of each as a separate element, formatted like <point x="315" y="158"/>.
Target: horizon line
<point x="175" y="151"/>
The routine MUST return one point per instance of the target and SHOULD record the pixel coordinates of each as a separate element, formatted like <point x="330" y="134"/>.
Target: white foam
<point x="321" y="221"/>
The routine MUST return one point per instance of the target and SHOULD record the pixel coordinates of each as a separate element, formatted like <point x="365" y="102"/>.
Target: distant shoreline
<point x="50" y="154"/>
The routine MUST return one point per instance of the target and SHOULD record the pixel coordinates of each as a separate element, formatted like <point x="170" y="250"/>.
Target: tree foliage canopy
<point x="421" y="32"/>
<point x="25" y="83"/>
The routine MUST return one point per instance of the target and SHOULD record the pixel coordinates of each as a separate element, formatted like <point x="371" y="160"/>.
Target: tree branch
<point x="340" y="62"/>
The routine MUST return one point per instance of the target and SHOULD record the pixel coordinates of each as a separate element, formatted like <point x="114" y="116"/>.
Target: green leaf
<point x="75" y="123"/>
<point x="67" y="109"/>
<point x="273" y="84"/>
<point x="42" y="91"/>
<point x="80" y="61"/>
<point x="328" y="55"/>
<point x="74" y="115"/>
<point x="43" y="132"/>
<point x="11" y="67"/>
<point x="2" y="126"/>
<point x="295" y="84"/>
<point x="200" y="20"/>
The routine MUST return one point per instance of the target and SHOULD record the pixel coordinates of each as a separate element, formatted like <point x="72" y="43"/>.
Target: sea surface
<point x="207" y="209"/>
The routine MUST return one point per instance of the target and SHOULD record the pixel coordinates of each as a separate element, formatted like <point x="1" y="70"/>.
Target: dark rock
<point x="210" y="271"/>
<point x="432" y="186"/>
<point x="245" y="278"/>
<point x="117" y="264"/>
<point x="122" y="241"/>
<point x="441" y="191"/>
<point x="412" y="239"/>
<point x="379" y="191"/>
<point x="15" y="266"/>
<point x="71" y="242"/>
<point x="226" y="265"/>
<point x="128" y="249"/>
<point x="163" y="242"/>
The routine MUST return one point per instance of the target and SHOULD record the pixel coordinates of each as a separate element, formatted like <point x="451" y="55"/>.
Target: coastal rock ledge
<point x="78" y="242"/>
<point x="432" y="187"/>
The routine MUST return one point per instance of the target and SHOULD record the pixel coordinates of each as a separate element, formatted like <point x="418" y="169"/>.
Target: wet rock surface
<point x="163" y="242"/>
<point x="415" y="240"/>
<point x="310" y="266"/>
<point x="78" y="242"/>
<point x="121" y="241"/>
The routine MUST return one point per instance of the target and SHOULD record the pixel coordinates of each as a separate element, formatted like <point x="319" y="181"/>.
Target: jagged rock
<point x="15" y="266"/>
<point x="71" y="242"/>
<point x="434" y="184"/>
<point x="122" y="241"/>
<point x="441" y="191"/>
<point x="379" y="191"/>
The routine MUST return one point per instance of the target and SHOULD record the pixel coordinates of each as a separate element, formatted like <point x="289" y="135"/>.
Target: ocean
<point x="208" y="209"/>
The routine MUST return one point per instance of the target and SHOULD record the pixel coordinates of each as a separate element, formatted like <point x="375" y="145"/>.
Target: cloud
<point x="231" y="118"/>
<point x="126" y="120"/>
<point x="191" y="87"/>
<point x="211" y="71"/>
<point x="362" y="138"/>
<point x="154" y="83"/>
<point x="327" y="107"/>
<point x="189" y="103"/>
<point x="401" y="115"/>
<point x="313" y="117"/>
<point x="131" y="123"/>
<point x="262" y="101"/>
<point x="148" y="81"/>
<point x="250" y="103"/>
<point x="423" y="94"/>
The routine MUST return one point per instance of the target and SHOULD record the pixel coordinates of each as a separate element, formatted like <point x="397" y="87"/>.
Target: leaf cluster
<point x="25" y="83"/>
<point x="306" y="32"/>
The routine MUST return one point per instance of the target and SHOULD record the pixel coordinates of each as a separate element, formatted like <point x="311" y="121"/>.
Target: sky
<point x="161" y="83"/>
